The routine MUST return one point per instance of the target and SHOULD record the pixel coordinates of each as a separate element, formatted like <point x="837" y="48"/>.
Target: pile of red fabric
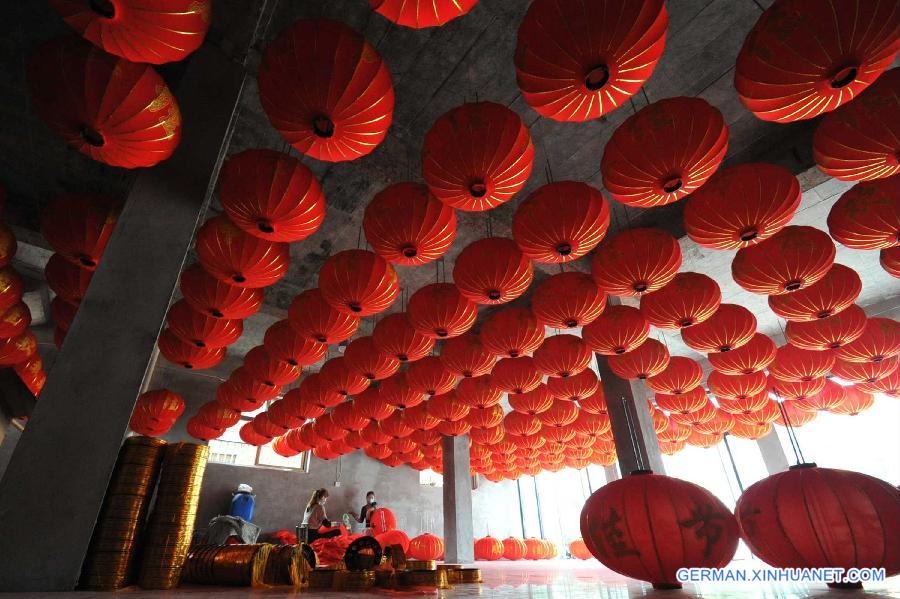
<point x="283" y="537"/>
<point x="331" y="551"/>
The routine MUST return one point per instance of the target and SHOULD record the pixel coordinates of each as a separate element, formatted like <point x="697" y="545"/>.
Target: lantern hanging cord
<point x="791" y="433"/>
<point x="632" y="435"/>
<point x="737" y="476"/>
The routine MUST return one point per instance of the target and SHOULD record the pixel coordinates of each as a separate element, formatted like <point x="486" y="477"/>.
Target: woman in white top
<point x="314" y="517"/>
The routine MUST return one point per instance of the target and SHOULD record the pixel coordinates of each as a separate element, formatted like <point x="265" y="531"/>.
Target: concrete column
<point x="5" y="420"/>
<point x="772" y="453"/>
<point x="57" y="477"/>
<point x="612" y="473"/>
<point x="632" y="424"/>
<point x="459" y="533"/>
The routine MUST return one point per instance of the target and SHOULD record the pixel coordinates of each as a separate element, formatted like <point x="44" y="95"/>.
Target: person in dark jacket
<point x="365" y="513"/>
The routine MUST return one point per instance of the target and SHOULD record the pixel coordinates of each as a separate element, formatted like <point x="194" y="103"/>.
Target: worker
<point x="365" y="513"/>
<point x="314" y="517"/>
<point x="243" y="501"/>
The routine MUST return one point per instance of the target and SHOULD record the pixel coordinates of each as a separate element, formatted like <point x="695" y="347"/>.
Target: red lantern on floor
<point x="188" y="355"/>
<point x="284" y="343"/>
<point x="636" y="261"/>
<point x="68" y="281"/>
<point x="196" y="327"/>
<point x="730" y="328"/>
<point x="358" y="282"/>
<point x="489" y="549"/>
<point x="533" y="402"/>
<point x="512" y="332"/>
<point x="466" y="357"/>
<point x="394" y="336"/>
<point x="680" y="376"/>
<point x="562" y="356"/>
<point x="313" y="317"/>
<point x="742" y="205"/>
<point x="364" y="358"/>
<point x="832" y="294"/>
<point x="688" y="299"/>
<point x="648" y="359"/>
<point x="426" y="547"/>
<point x="618" y="330"/>
<point x="793" y="259"/>
<point x="560" y="222"/>
<point x="567" y="300"/>
<point x="691" y="528"/>
<point x="477" y="156"/>
<point x="880" y="340"/>
<point x="794" y="364"/>
<point x="890" y="261"/>
<point x="751" y="357"/>
<point x="338" y="377"/>
<point x="829" y="333"/>
<point x="514" y="549"/>
<point x="575" y="387"/>
<point x="439" y="310"/>
<point x="112" y="110"/>
<point x="664" y="152"/>
<point x="430" y="376"/>
<point x="478" y="392"/>
<point x="218" y="299"/>
<point x="854" y="402"/>
<point x="419" y="14"/>
<point x="515" y="375"/>
<point x="396" y="391"/>
<point x="492" y="271"/>
<point x="866" y="217"/>
<point x="231" y="255"/>
<point x="864" y="372"/>
<point x="795" y="67"/>
<point x="338" y="111"/>
<point x="577" y="62"/>
<point x="140" y="31"/>
<point x="78" y="226"/>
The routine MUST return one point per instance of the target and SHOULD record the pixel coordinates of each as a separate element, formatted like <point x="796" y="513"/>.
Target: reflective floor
<point x="559" y="579"/>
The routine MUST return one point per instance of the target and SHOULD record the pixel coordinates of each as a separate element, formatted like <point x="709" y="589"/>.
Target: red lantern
<point x="753" y="356"/>
<point x="396" y="391"/>
<point x="560" y="414"/>
<point x="562" y="356"/>
<point x="690" y="298"/>
<point x="889" y="384"/>
<point x="416" y="418"/>
<point x="218" y="299"/>
<point x="829" y="396"/>
<point x="160" y="405"/>
<point x="854" y="402"/>
<point x="796" y="416"/>
<point x="394" y="336"/>
<point x="492" y="271"/>
<point x="478" y="392"/>
<point x="513" y="549"/>
<point x="188" y="355"/>
<point x="430" y="376"/>
<point x="346" y="417"/>
<point x="78" y="226"/>
<point x="730" y="328"/>
<point x="487" y="436"/>
<point x="489" y="549"/>
<point x="112" y="110"/>
<point x="313" y="317"/>
<point x="890" y="261"/>
<point x="664" y="152"/>
<point x="648" y="359"/>
<point x="794" y="67"/>
<point x="567" y="300"/>
<point x="338" y="111"/>
<point x="679" y="376"/>
<point x="465" y="356"/>
<point x="140" y="31"/>
<point x="406" y="225"/>
<point x="358" y="282"/>
<point x="327" y="429"/>
<point x="301" y="407"/>
<point x="866" y="217"/>
<point x="794" y="258"/>
<point x="217" y="416"/>
<point x="533" y="402"/>
<point x="618" y="330"/>
<point x="832" y="294"/>
<point x="229" y="254"/>
<point x="794" y="364"/>
<point x="636" y="261"/>
<point x="765" y="415"/>
<point x="688" y="408"/>
<point x="799" y="390"/>
<point x="142" y="425"/>
<point x="454" y="428"/>
<point x="592" y="426"/>
<point x="446" y="407"/>
<point x="363" y="358"/>
<point x="577" y="62"/>
<point x="245" y="384"/>
<point x="195" y="327"/>
<point x="521" y="424"/>
<point x="439" y="310"/>
<point x="573" y="388"/>
<point x="267" y="369"/>
<point x="65" y="279"/>
<point x="809" y="517"/>
<point x="283" y="343"/>
<point x="198" y="430"/>
<point x="14" y="321"/>
<point x="369" y="404"/>
<point x="281" y="414"/>
<point x="515" y="375"/>
<point x="560" y="222"/>
<point x="477" y="156"/>
<point x="512" y="332"/>
<point x="858" y="142"/>
<point x="741" y="206"/>
<point x="880" y="340"/>
<point x="721" y="424"/>
<point x="864" y="372"/>
<point x="426" y="547"/>
<point x="338" y="377"/>
<point x="743" y="405"/>
<point x="690" y="528"/>
<point x="829" y="333"/>
<point x="419" y="14"/>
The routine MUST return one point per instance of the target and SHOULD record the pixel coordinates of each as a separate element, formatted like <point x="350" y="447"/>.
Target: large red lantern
<point x="794" y="414"/>
<point x="426" y="547"/>
<point x="430" y="376"/>
<point x="313" y="317"/>
<point x="579" y="61"/>
<point x="799" y="390"/>
<point x="396" y="391"/>
<point x="15" y="320"/>
<point x="794" y="364"/>
<point x="560" y="222"/>
<point x="890" y="261"/>
<point x="867" y="217"/>
<point x="267" y="369"/>
<point x="202" y="330"/>
<point x="792" y="259"/>
<point x="740" y="405"/>
<point x="741" y="206"/>
<point x="562" y="356"/>
<point x="636" y="261"/>
<point x="239" y="393"/>
<point x="419" y="14"/>
<point x="532" y="402"/>
<point x="811" y="517"/>
<point x="68" y="281"/>
<point x="339" y="110"/>
<point x="864" y="372"/>
<point x="880" y="340"/>
<point x="465" y="356"/>
<point x="364" y="358"/>
<point x="188" y="355"/>
<point x="592" y="426"/>
<point x="567" y="300"/>
<point x="369" y="404"/>
<point x="416" y="418"/>
<point x="829" y="333"/>
<point x="664" y="152"/>
<point x="618" y="330"/>
<point x="492" y="271"/>
<point x="486" y="436"/>
<point x="271" y="195"/>
<point x="243" y="381"/>
<point x="794" y="66"/>
<point x="830" y="396"/>
<point x="751" y="357"/>
<point x="217" y="298"/>
<point x="515" y="375"/>
<point x="833" y="293"/>
<point x="888" y="384"/>
<point x="521" y="424"/>
<point x="687" y="403"/>
<point x="445" y="407"/>
<point x="688" y="299"/>
<point x="439" y="310"/>
<point x="488" y="549"/>
<point x="478" y="392"/>
<point x="648" y="526"/>
<point x="198" y="430"/>
<point x="736" y="386"/>
<point x="514" y="549"/>
<point x="284" y="343"/>
<point x="731" y="327"/>
<point x="575" y="387"/>
<point x="484" y="418"/>
<point x="78" y="226"/>
<point x="110" y="109"/>
<point x="407" y="225"/>
<point x="138" y="30"/>
<point x="679" y="376"/>
<point x="859" y="141"/>
<point x="512" y="332"/>
<point x="394" y="336"/>
<point x="160" y="405"/>
<point x="648" y="359"/>
<point x="765" y="415"/>
<point x="217" y="416"/>
<point x="337" y="376"/>
<point x="477" y="156"/>
<point x="358" y="282"/>
<point x="345" y="416"/>
<point x="231" y="255"/>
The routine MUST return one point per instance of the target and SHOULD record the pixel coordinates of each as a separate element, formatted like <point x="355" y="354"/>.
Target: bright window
<point x="430" y="478"/>
<point x="230" y="449"/>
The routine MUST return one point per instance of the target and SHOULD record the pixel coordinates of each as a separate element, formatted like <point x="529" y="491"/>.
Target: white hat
<point x="244" y="488"/>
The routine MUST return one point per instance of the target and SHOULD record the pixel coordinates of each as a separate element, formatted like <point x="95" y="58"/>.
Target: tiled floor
<point x="560" y="579"/>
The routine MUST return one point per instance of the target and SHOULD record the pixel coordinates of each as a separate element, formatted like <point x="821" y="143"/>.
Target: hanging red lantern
<point x="112" y="110"/>
<point x="730" y="328"/>
<point x="188" y="355"/>
<point x="337" y="376"/>
<point x="793" y="414"/>
<point x="832" y="294"/>
<point x="560" y="222"/>
<point x="140" y="31"/>
<point x="217" y="416"/>
<point x="888" y="384"/>
<point x="794" y="364"/>
<point x="195" y="327"/>
<point x="445" y="407"/>
<point x="218" y="299"/>
<point x="562" y="356"/>
<point x="65" y="279"/>
<point x="478" y="392"/>
<point x="674" y="433"/>
<point x="231" y="255"/>
<point x="592" y="426"/>
<point x="743" y="405"/>
<point x="664" y="152"/>
<point x="325" y="428"/>
<point x="890" y="261"/>
<point x="521" y="424"/>
<point x="765" y="415"/>
<point x="78" y="226"/>
<point x="358" y="282"/>
<point x="798" y="390"/>
<point x="430" y="376"/>
<point x="313" y="317"/>
<point x="515" y="375"/>
<point x="249" y="436"/>
<point x="512" y="332"/>
<point x="142" y="425"/>
<point x="880" y="340"/>
<point x="636" y="261"/>
<point x="488" y="436"/>
<point x="374" y="435"/>
<point x="14" y="320"/>
<point x="346" y="417"/>
<point x="575" y="387"/>
<point x="378" y="452"/>
<point x="692" y="528"/>
<point x="198" y="430"/>
<point x="281" y="414"/>
<point x="829" y="333"/>
<point x="561" y="413"/>
<point x="301" y="406"/>
<point x="567" y="300"/>
<point x="792" y="259"/>
<point x="829" y="396"/>
<point x="618" y="330"/>
<point x="466" y="357"/>
<point x="753" y="356"/>
<point x="418" y="15"/>
<point x="369" y="404"/>
<point x="864" y="372"/>
<point x="160" y="405"/>
<point x="363" y="358"/>
<point x="577" y="62"/>
<point x="741" y="206"/>
<point x="809" y="517"/>
<point x="429" y="442"/>
<point x="407" y="225"/>
<point x="492" y="271"/>
<point x="866" y="217"/>
<point x="699" y="408"/>
<point x="396" y="391"/>
<point x="477" y="156"/>
<point x="679" y="376"/>
<point x="246" y="385"/>
<point x="794" y="67"/>
<point x="721" y="424"/>
<point x="688" y="299"/>
<point x="283" y="343"/>
<point x="416" y="418"/>
<point x="340" y="110"/>
<point x="532" y="402"/>
<point x="394" y="336"/>
<point x="858" y="142"/>
<point x="281" y="447"/>
<point x="649" y="358"/>
<point x="439" y="310"/>
<point x="488" y="549"/>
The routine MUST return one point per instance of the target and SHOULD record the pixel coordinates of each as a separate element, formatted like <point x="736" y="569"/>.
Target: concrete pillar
<point x="459" y="532"/>
<point x="57" y="477"/>
<point x="772" y="453"/>
<point x="5" y="420"/>
<point x="612" y="473"/>
<point x="632" y="424"/>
